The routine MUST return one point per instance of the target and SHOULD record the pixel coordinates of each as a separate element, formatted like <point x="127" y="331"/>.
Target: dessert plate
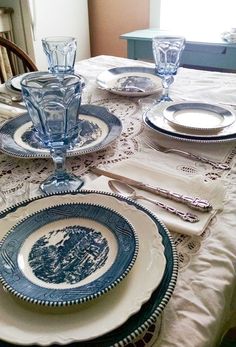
<point x="130" y="81"/>
<point x="154" y="119"/>
<point x="67" y="254"/>
<point x="198" y="116"/>
<point x="151" y="272"/>
<point x="99" y="128"/>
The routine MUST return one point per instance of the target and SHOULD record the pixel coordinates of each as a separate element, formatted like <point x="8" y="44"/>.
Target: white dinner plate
<point x="155" y="119"/>
<point x="25" y="325"/>
<point x="198" y="116"/>
<point x="130" y="81"/>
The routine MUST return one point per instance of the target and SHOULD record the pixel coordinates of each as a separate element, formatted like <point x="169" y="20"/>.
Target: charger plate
<point x="25" y="326"/>
<point x="130" y="81"/>
<point x="99" y="128"/>
<point x="67" y="254"/>
<point x="154" y="119"/>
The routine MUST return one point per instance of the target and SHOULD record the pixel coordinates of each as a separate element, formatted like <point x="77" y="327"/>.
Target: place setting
<point x="184" y="120"/>
<point x="72" y="255"/>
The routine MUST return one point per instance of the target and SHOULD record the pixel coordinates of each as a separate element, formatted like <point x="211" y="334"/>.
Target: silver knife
<point x="193" y="202"/>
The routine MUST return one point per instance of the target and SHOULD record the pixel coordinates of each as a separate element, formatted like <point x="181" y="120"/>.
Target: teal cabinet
<point x="212" y="54"/>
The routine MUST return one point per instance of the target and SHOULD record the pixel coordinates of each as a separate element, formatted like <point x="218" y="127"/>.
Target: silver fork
<point x="157" y="147"/>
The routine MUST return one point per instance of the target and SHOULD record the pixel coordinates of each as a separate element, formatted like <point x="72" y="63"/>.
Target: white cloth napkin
<point x="144" y="168"/>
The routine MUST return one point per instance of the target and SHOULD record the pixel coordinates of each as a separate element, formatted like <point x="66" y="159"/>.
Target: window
<point x="197" y="17"/>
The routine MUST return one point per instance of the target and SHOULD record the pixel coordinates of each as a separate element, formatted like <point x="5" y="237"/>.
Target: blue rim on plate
<point x="130" y="81"/>
<point x="152" y="310"/>
<point x="99" y="128"/>
<point x="67" y="254"/>
<point x="153" y="118"/>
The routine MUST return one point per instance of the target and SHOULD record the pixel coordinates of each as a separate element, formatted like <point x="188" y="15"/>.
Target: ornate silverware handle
<point x="186" y="216"/>
<point x="221" y="166"/>
<point x="193" y="202"/>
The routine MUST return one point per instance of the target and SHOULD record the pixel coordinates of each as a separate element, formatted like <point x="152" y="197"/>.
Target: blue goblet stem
<point x="59" y="158"/>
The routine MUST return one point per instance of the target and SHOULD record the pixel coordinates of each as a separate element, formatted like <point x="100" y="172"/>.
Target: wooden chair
<point x="18" y="60"/>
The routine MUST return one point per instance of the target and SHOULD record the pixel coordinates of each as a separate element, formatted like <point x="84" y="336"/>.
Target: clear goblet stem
<point x="166" y="82"/>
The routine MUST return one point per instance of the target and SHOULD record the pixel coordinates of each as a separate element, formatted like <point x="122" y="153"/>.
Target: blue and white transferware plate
<point x="99" y="128"/>
<point x="67" y="254"/>
<point x="130" y="81"/>
<point x="156" y="119"/>
<point x="114" y="319"/>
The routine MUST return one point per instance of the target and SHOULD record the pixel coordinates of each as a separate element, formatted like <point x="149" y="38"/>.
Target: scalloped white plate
<point x="26" y="326"/>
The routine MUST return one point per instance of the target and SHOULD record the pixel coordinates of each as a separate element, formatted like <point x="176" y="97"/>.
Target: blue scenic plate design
<point x="99" y="128"/>
<point x="154" y="119"/>
<point x="67" y="254"/>
<point x="130" y="81"/>
<point x="152" y="310"/>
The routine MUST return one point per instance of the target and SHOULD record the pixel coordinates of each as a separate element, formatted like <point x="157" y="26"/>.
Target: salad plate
<point x="67" y="254"/>
<point x="130" y="81"/>
<point x="99" y="128"/>
<point x="124" y="312"/>
<point x="198" y="116"/>
<point x="13" y="83"/>
<point x="155" y="119"/>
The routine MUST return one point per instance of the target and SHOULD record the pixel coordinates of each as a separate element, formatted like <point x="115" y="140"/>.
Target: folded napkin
<point x="144" y="168"/>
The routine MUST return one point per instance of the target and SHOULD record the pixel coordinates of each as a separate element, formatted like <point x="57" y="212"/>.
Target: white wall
<point x="51" y="18"/>
<point x="61" y="18"/>
<point x="155" y="6"/>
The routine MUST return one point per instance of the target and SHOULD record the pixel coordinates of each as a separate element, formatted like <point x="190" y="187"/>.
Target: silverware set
<point x="126" y="184"/>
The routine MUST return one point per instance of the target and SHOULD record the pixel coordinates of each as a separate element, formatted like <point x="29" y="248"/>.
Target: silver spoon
<point x="128" y="191"/>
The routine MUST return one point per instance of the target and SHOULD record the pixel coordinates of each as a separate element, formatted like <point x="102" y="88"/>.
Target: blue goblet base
<point x="61" y="183"/>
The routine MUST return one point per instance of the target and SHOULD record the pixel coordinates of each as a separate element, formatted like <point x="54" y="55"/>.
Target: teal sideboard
<point x="208" y="53"/>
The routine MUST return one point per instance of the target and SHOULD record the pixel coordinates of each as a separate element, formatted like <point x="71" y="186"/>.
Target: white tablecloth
<point x="203" y="298"/>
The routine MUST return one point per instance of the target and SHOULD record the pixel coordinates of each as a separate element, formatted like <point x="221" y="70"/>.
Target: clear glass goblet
<point x="167" y="51"/>
<point x="53" y="102"/>
<point x="61" y="53"/>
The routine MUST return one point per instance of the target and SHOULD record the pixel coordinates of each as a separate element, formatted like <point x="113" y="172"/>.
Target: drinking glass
<point x="53" y="102"/>
<point x="61" y="53"/>
<point x="167" y="51"/>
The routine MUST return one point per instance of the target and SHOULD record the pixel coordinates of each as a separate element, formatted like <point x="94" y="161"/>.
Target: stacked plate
<point x="101" y="267"/>
<point x="192" y="121"/>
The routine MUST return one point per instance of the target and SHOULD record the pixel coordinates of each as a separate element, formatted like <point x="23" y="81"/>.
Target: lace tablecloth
<point x="203" y="299"/>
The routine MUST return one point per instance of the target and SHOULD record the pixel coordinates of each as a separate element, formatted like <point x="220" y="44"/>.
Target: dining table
<point x="202" y="305"/>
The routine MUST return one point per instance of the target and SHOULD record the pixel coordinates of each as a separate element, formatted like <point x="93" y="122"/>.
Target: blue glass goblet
<point x="53" y="103"/>
<point x="167" y="51"/>
<point x="61" y="53"/>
